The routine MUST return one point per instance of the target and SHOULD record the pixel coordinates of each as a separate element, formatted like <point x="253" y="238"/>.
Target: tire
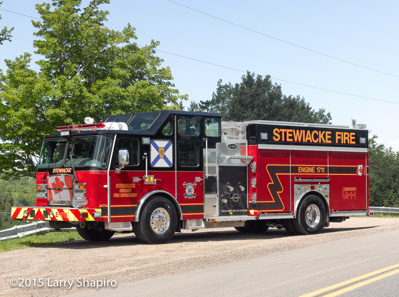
<point x="253" y="227"/>
<point x="158" y="221"/>
<point x="94" y="234"/>
<point x="311" y="216"/>
<point x="240" y="229"/>
<point x="289" y="227"/>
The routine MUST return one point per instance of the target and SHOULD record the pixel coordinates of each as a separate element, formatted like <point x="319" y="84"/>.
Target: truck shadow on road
<point x="228" y="235"/>
<point x="201" y="236"/>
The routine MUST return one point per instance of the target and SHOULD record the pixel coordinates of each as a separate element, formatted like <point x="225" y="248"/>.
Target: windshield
<point x="87" y="151"/>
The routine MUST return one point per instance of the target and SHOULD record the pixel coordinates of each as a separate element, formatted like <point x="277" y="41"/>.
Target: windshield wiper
<point x="44" y="177"/>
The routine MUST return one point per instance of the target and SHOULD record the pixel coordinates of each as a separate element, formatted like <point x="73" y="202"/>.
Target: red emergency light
<point x="80" y="127"/>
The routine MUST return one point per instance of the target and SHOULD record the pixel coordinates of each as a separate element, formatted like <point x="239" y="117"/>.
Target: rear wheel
<point x="158" y="221"/>
<point x="94" y="233"/>
<point x="311" y="216"/>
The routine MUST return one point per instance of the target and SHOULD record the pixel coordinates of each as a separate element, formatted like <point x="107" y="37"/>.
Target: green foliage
<point x="5" y="33"/>
<point x="257" y="98"/>
<point x="38" y="240"/>
<point x="384" y="175"/>
<point x="87" y="70"/>
<point x="15" y="192"/>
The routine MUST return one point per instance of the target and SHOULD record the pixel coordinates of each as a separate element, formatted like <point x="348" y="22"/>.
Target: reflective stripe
<point x="60" y="214"/>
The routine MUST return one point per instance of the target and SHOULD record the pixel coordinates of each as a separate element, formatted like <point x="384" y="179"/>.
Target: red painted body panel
<point x="274" y="192"/>
<point x="349" y="190"/>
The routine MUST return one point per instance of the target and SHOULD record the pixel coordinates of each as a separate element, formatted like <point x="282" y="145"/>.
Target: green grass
<point x="386" y="215"/>
<point x="38" y="240"/>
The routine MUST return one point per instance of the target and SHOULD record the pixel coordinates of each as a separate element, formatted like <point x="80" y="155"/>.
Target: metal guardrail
<point x="23" y="230"/>
<point x="382" y="209"/>
<point x="28" y="229"/>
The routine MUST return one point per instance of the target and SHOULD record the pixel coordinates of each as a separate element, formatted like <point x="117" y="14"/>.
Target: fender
<point x="150" y="194"/>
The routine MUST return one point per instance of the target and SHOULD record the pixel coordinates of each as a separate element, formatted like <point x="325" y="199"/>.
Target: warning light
<point x="149" y="180"/>
<point x="81" y="127"/>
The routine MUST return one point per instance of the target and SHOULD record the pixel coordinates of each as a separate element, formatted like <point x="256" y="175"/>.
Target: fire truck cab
<point x="157" y="173"/>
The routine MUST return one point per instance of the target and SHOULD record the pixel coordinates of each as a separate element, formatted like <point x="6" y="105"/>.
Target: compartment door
<point x="349" y="181"/>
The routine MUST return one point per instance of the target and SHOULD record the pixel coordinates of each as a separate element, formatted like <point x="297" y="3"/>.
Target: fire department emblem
<point x="190" y="190"/>
<point x="161" y="153"/>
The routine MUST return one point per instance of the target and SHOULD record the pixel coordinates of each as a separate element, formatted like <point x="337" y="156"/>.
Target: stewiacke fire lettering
<point x="313" y="136"/>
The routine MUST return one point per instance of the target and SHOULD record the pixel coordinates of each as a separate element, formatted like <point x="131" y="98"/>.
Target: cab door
<point x="190" y="169"/>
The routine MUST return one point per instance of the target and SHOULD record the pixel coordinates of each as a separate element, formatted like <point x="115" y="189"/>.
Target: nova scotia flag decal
<point x="161" y="153"/>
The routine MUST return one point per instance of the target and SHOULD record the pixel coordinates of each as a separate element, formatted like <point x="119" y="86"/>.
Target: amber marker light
<point x="38" y="187"/>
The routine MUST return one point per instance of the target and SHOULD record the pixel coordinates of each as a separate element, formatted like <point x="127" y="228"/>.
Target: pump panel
<point x="233" y="190"/>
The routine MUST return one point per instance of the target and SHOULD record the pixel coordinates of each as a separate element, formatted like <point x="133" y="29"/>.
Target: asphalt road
<point x="368" y="265"/>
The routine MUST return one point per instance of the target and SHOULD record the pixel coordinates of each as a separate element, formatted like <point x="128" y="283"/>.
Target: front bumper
<point x="63" y="214"/>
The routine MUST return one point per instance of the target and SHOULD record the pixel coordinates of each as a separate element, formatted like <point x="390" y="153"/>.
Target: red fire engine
<point x="157" y="173"/>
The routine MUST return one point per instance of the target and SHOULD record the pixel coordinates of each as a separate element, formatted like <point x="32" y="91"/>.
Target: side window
<point x="132" y="145"/>
<point x="188" y="128"/>
<point x="167" y="130"/>
<point x="212" y="127"/>
<point x="188" y="154"/>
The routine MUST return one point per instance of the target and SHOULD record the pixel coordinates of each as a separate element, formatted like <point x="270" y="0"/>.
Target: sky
<point x="338" y="55"/>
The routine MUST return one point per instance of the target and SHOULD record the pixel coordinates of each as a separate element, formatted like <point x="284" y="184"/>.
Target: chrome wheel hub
<point x="160" y="220"/>
<point x="312" y="215"/>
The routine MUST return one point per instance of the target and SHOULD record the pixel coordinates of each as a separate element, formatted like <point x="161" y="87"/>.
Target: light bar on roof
<point x="81" y="127"/>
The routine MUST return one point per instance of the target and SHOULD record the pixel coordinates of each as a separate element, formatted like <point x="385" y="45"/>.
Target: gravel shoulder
<point x="123" y="259"/>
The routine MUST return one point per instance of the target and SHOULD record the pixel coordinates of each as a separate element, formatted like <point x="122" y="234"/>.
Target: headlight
<point x="79" y="195"/>
<point x="41" y="194"/>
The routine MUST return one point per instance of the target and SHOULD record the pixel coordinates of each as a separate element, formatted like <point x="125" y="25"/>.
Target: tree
<point x="87" y="69"/>
<point x="220" y="102"/>
<point x="384" y="175"/>
<point x="257" y="98"/>
<point x="5" y="33"/>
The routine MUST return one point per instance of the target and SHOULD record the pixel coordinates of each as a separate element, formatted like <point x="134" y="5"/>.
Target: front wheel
<point x="158" y="221"/>
<point x="94" y="233"/>
<point x="311" y="216"/>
